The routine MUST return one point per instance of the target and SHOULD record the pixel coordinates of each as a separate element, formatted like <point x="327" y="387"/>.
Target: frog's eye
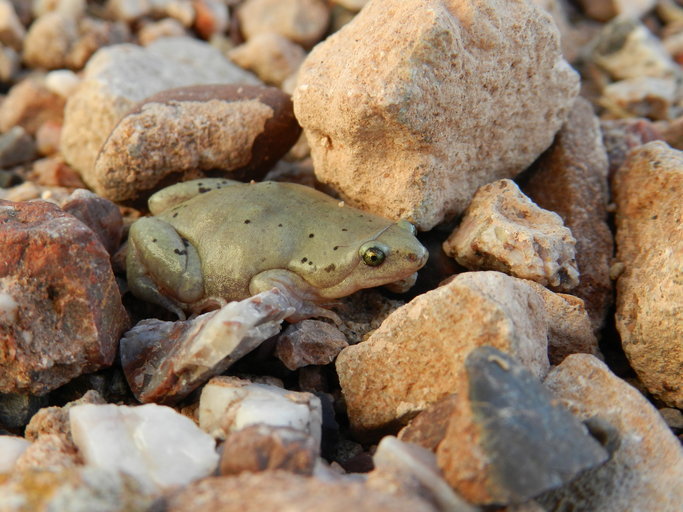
<point x="404" y="224"/>
<point x="372" y="254"/>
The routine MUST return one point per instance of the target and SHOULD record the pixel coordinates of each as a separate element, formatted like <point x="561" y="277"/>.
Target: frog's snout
<point x="419" y="257"/>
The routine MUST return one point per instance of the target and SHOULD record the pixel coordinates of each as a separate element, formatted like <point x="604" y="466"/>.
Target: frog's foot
<point x="180" y="192"/>
<point x="301" y="295"/>
<point x="162" y="267"/>
<point x="208" y="304"/>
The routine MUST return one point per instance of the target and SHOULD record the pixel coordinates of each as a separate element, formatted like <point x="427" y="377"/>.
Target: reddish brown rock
<point x="648" y="191"/>
<point x="99" y="214"/>
<point x="571" y="180"/>
<point x="60" y="307"/>
<point x="309" y="342"/>
<point x="264" y="447"/>
<point x="245" y="130"/>
<point x="54" y="172"/>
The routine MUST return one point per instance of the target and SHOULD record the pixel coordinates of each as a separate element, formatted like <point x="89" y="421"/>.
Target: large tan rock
<point x="408" y="119"/>
<point x="648" y="191"/>
<point x="417" y="355"/>
<point x="646" y="468"/>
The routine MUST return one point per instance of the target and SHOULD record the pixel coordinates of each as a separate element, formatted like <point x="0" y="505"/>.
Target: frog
<point x="210" y="241"/>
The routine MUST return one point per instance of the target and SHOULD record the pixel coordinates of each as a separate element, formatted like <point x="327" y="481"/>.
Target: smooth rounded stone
<point x="99" y="214"/>
<point x="622" y="135"/>
<point x="309" y="342"/>
<point x="73" y="8"/>
<point x="118" y="77"/>
<point x="128" y="10"/>
<point x="10" y="63"/>
<point x="165" y="361"/>
<point x="211" y="17"/>
<point x="570" y="179"/>
<point x="153" y="30"/>
<point x="11" y="448"/>
<point x="417" y="355"/>
<point x="302" y="21"/>
<point x="29" y="104"/>
<point x="16" y="409"/>
<point x="74" y="489"/>
<point x="271" y="56"/>
<point x="640" y="97"/>
<point x="51" y="452"/>
<point x="47" y="138"/>
<point x="403" y="122"/>
<point x="281" y="490"/>
<point x="12" y="31"/>
<point x="186" y="133"/>
<point x="604" y="10"/>
<point x="62" y="82"/>
<point x="60" y="307"/>
<point x="60" y="40"/>
<point x="648" y="190"/>
<point x="502" y="229"/>
<point x="229" y="404"/>
<point x="266" y="448"/>
<point x="646" y="469"/>
<point x="161" y="448"/>
<point x="16" y="147"/>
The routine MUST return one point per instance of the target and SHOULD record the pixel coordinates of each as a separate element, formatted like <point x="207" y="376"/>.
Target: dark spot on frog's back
<point x="247" y="221"/>
<point x="311" y="235"/>
<point x="179" y="252"/>
<point x="330" y="267"/>
<point x="203" y="190"/>
<point x="304" y="260"/>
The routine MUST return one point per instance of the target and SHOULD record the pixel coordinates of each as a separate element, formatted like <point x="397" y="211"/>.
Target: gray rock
<point x="17" y="147"/>
<point x="16" y="409"/>
<point x="309" y="342"/>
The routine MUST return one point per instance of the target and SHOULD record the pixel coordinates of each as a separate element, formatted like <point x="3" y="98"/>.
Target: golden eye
<point x="373" y="256"/>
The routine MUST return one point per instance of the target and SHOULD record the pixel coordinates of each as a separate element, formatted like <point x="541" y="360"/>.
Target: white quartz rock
<point x="228" y="404"/>
<point x="161" y="448"/>
<point x="11" y="447"/>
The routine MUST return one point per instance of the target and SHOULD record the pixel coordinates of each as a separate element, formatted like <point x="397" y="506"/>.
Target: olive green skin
<point x="221" y="240"/>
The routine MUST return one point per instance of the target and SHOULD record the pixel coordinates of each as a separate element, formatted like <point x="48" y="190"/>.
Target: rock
<point x="99" y="214"/>
<point x="55" y="420"/>
<point x="167" y="27"/>
<point x="211" y="17"/>
<point x="49" y="452"/>
<point x="105" y="94"/>
<point x="506" y="441"/>
<point x="53" y="172"/>
<point x="162" y="449"/>
<point x="647" y="466"/>
<point x="11" y="448"/>
<point x="309" y="342"/>
<point x="72" y="8"/>
<point x="245" y="493"/>
<point x="12" y="32"/>
<point x="640" y="97"/>
<point x="165" y="361"/>
<point x="570" y="179"/>
<point x="62" y="82"/>
<point x="129" y="10"/>
<point x="364" y="311"/>
<point x="272" y="57"/>
<point x="47" y="138"/>
<point x="504" y="230"/>
<point x="622" y="135"/>
<point x="264" y="447"/>
<point x="60" y="40"/>
<point x="16" y="409"/>
<point x="16" y="147"/>
<point x="60" y="307"/>
<point x="302" y="21"/>
<point x="244" y="130"/>
<point x="73" y="489"/>
<point x="403" y="123"/>
<point x="649" y="317"/>
<point x="604" y="10"/>
<point x="9" y="64"/>
<point x="574" y="33"/>
<point x="229" y="404"/>
<point x="417" y="355"/>
<point x="672" y="417"/>
<point x="29" y="104"/>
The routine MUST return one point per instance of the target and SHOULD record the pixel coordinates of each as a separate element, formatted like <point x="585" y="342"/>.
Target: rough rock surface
<point x="118" y="77"/>
<point x="640" y="97"/>
<point x="409" y="119"/>
<point x="273" y="57"/>
<point x="245" y="493"/>
<point x="417" y="355"/>
<point x="51" y="452"/>
<point x="570" y="179"/>
<point x="504" y="230"/>
<point x="648" y="191"/>
<point x="185" y="133"/>
<point x="645" y="471"/>
<point x="11" y="448"/>
<point x="622" y="135"/>
<point x="309" y="342"/>
<point x="60" y="308"/>
<point x="29" y="104"/>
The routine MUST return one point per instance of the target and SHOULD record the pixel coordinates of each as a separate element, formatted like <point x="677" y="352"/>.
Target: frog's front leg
<point x="163" y="267"/>
<point x="302" y="296"/>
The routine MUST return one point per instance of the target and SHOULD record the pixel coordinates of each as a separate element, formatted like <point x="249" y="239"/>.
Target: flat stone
<point x="273" y="57"/>
<point x="165" y="361"/>
<point x="570" y="179"/>
<point x="309" y="342"/>
<point x="647" y="466"/>
<point x="502" y="229"/>
<point x="417" y="355"/>
<point x="118" y="77"/>
<point x="229" y="404"/>
<point x="60" y="307"/>
<point x="264" y="447"/>
<point x="648" y="190"/>
<point x="162" y="449"/>
<point x="402" y="122"/>
<point x="245" y="130"/>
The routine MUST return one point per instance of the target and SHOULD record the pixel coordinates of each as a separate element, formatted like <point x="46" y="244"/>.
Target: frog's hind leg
<point x="162" y="267"/>
<point x="180" y="192"/>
